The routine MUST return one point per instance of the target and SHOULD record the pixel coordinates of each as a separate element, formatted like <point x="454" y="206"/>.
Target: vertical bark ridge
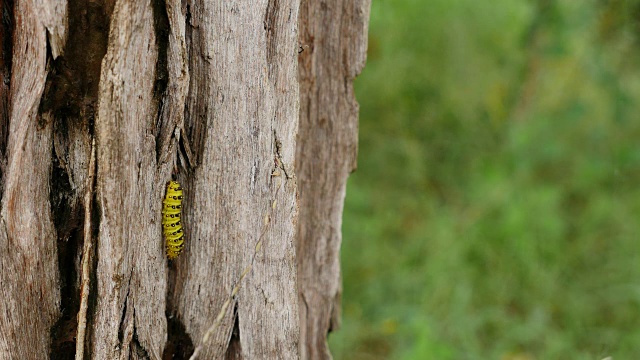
<point x="333" y="38"/>
<point x="177" y="68"/>
<point x="235" y="109"/>
<point x="30" y="284"/>
<point x="131" y="263"/>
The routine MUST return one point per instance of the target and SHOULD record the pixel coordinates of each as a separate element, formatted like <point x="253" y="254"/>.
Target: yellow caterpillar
<point x="171" y="224"/>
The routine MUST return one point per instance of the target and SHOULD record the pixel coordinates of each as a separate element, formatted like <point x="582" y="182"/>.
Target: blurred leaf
<point x="494" y="213"/>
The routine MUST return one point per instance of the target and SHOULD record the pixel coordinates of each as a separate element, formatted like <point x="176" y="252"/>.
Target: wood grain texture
<point x="241" y="122"/>
<point x="29" y="293"/>
<point x="333" y="39"/>
<point x="204" y="92"/>
<point x="173" y="104"/>
<point x="53" y="15"/>
<point x="131" y="269"/>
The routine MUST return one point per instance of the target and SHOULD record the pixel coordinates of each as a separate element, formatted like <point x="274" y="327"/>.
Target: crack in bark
<point x="66" y="221"/>
<point x="196" y="111"/>
<point x="270" y="27"/>
<point x="123" y="317"/>
<point x="171" y="27"/>
<point x="69" y="101"/>
<point x="279" y="164"/>
<point x="6" y="36"/>
<point x="161" y="29"/>
<point x="179" y="344"/>
<point x="234" y="347"/>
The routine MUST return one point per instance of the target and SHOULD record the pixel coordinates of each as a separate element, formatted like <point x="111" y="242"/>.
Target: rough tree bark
<point x="102" y="102"/>
<point x="333" y="36"/>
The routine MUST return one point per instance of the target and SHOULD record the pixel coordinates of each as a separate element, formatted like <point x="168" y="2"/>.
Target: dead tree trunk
<point x="102" y="103"/>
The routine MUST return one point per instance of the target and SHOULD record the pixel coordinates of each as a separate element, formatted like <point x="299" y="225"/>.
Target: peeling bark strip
<point x="335" y="34"/>
<point x="87" y="256"/>
<point x="241" y="104"/>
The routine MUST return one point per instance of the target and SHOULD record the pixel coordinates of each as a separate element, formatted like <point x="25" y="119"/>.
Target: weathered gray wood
<point x="30" y="295"/>
<point x="53" y="15"/>
<point x="241" y="122"/>
<point x="333" y="39"/>
<point x="172" y="120"/>
<point x="204" y="92"/>
<point x="131" y="268"/>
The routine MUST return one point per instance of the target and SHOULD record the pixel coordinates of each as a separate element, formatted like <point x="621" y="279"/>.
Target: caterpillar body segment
<point x="171" y="223"/>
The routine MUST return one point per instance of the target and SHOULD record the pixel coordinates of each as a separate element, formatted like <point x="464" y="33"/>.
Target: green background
<point x="495" y="210"/>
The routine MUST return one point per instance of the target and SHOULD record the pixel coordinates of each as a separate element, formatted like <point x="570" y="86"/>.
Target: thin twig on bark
<point x="86" y="256"/>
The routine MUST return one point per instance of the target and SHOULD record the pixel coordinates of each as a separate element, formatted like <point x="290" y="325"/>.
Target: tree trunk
<point x="102" y="103"/>
<point x="333" y="38"/>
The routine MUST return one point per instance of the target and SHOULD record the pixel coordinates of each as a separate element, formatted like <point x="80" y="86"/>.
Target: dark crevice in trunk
<point x="96" y="215"/>
<point x="70" y="99"/>
<point x="271" y="27"/>
<point x="6" y="56"/>
<point x="67" y="221"/>
<point x="71" y="91"/>
<point x="188" y="33"/>
<point x="161" y="29"/>
<point x="197" y="110"/>
<point x="137" y="348"/>
<point x="62" y="92"/>
<point x="234" y="349"/>
<point x="179" y="344"/>
<point x="127" y="313"/>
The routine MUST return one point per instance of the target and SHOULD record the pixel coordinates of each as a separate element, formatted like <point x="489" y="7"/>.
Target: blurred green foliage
<point x="495" y="213"/>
